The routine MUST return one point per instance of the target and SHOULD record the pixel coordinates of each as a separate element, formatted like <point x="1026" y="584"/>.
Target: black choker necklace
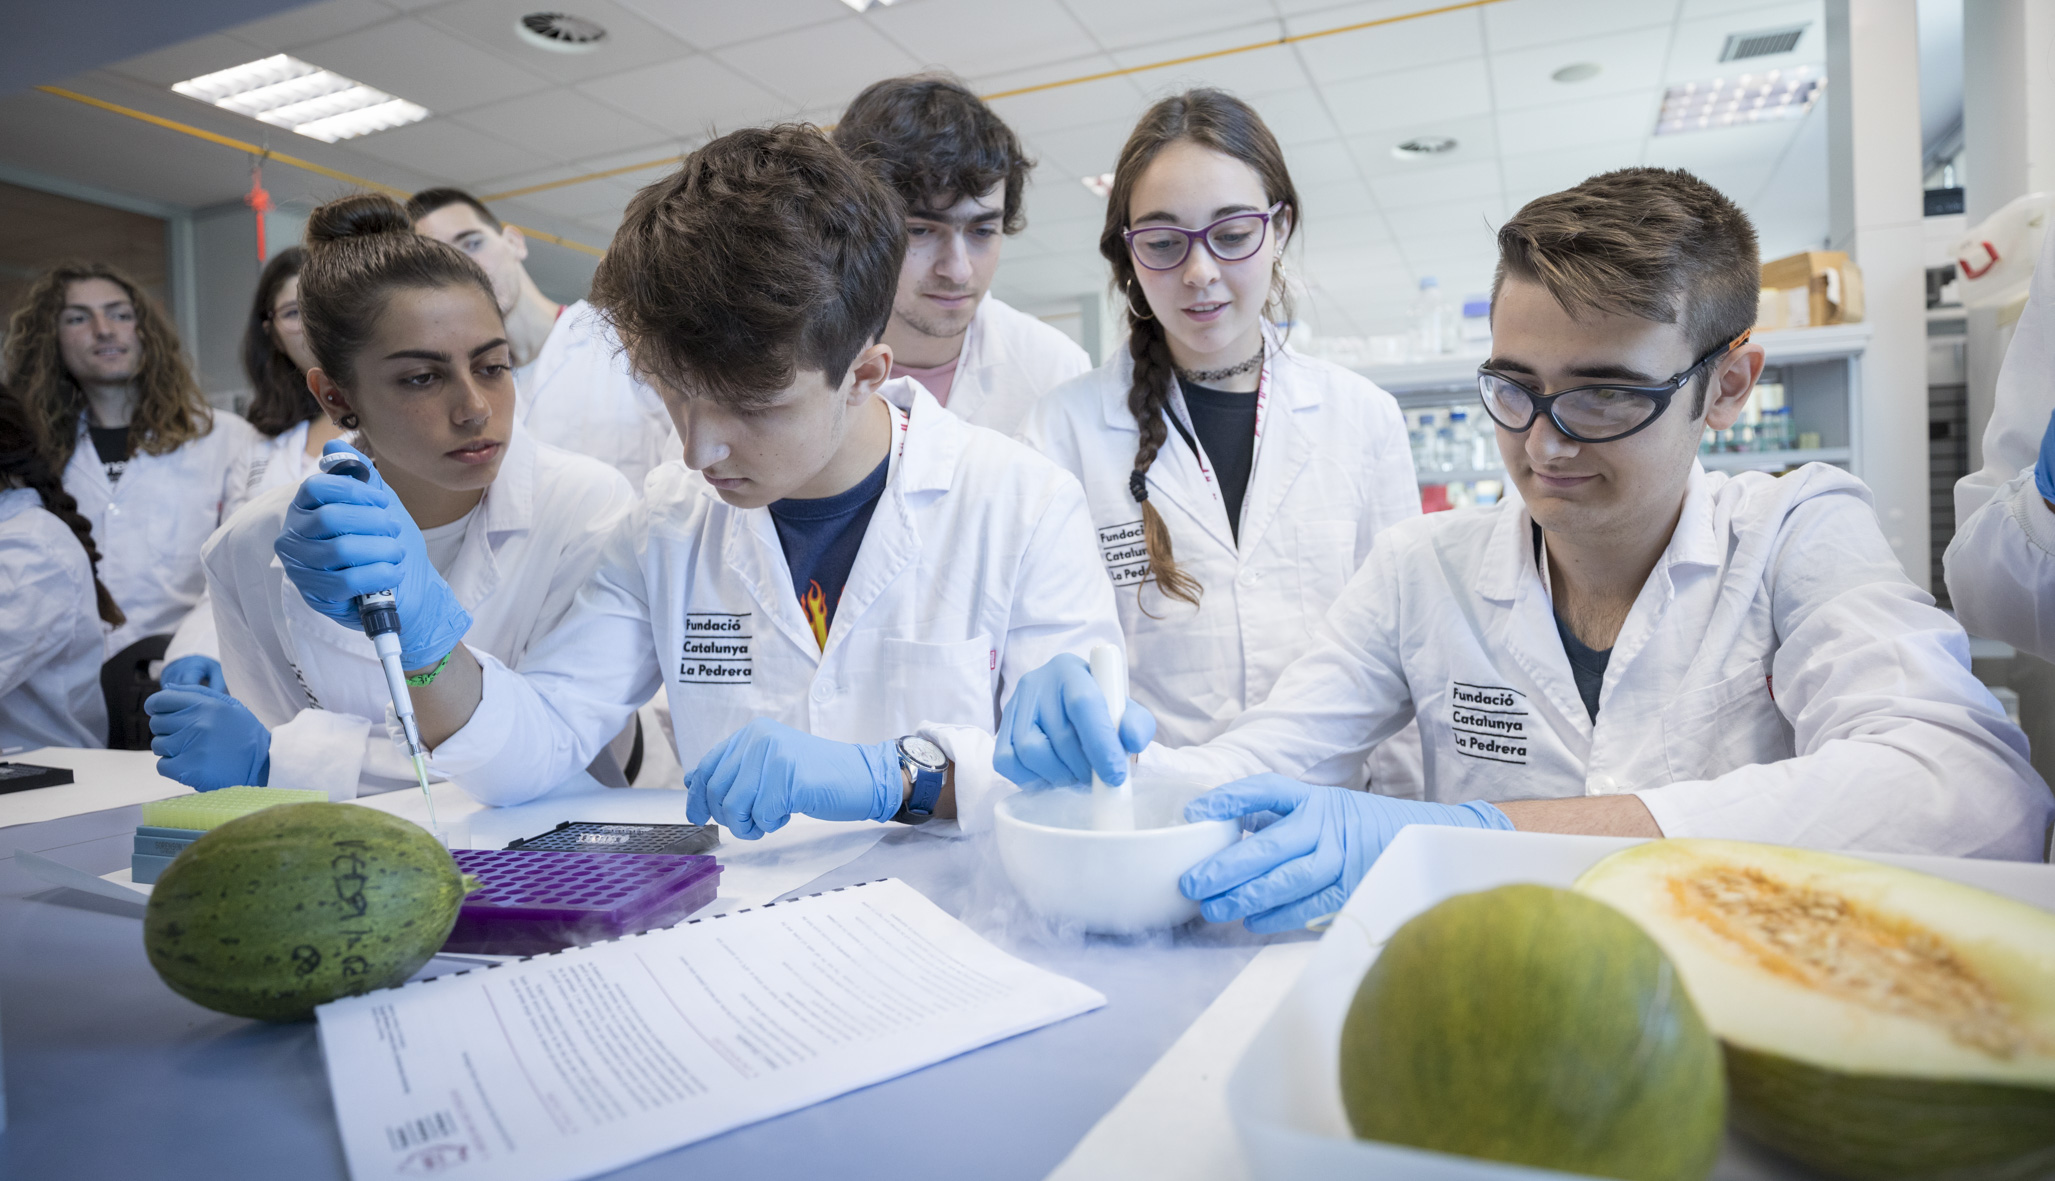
<point x="1209" y="376"/>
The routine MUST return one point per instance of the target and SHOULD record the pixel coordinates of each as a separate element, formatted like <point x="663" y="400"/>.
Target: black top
<point x="111" y="442"/>
<point x="820" y="539"/>
<point x="1587" y="664"/>
<point x="1226" y="425"/>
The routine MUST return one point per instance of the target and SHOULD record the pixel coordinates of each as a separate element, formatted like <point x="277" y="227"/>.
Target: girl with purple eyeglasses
<point x="1235" y="483"/>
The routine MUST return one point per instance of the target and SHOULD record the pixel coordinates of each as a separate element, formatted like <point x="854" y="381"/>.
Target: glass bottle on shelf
<point x="1445" y="443"/>
<point x="1433" y="330"/>
<point x="1461" y="437"/>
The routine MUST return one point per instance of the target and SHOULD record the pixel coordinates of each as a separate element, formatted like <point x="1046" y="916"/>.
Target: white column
<point x="2008" y="140"/>
<point x="1873" y="174"/>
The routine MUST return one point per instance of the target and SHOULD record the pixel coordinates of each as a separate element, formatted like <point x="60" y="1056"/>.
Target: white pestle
<point x="1113" y="807"/>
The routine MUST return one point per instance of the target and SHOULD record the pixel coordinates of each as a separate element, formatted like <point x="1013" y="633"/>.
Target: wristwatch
<point x="924" y="765"/>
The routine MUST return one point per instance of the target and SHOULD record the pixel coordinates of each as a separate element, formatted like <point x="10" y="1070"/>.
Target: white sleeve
<point x="1062" y="602"/>
<point x="1899" y="748"/>
<point x="36" y="598"/>
<point x="196" y="634"/>
<point x="2025" y="396"/>
<point x="2001" y="569"/>
<point x="536" y="727"/>
<point x="1329" y="707"/>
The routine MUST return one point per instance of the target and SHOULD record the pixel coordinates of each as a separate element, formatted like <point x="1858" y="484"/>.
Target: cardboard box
<point x="1810" y="289"/>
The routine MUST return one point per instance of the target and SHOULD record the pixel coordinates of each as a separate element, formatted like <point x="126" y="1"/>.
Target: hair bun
<point x="359" y="215"/>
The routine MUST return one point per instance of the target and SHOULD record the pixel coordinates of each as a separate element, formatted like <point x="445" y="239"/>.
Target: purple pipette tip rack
<point x="534" y="901"/>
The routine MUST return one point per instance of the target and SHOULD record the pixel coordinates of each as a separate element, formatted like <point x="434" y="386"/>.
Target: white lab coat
<point x="1333" y="470"/>
<point x="51" y="644"/>
<point x="977" y="567"/>
<point x="266" y="463"/>
<point x="1778" y="679"/>
<point x="150" y="527"/>
<point x="530" y="544"/>
<point x="581" y="394"/>
<point x="2001" y="565"/>
<point x="1009" y="360"/>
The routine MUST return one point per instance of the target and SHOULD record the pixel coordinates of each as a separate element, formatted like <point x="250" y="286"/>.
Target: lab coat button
<point x="1250" y="577"/>
<point x="1604" y="785"/>
<point x="823" y="690"/>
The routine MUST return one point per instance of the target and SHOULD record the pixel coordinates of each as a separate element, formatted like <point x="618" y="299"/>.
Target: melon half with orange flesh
<point x="1878" y="1022"/>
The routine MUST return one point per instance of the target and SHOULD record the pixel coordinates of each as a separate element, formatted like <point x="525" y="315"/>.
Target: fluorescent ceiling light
<point x="308" y="100"/>
<point x="867" y="5"/>
<point x="1729" y="102"/>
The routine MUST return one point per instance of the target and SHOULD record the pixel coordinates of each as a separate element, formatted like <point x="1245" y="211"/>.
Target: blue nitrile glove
<point x="206" y="739"/>
<point x="1055" y="730"/>
<point x="188" y="671"/>
<point x="344" y="538"/>
<point x="1304" y="865"/>
<point x="760" y="775"/>
<point x="2044" y="468"/>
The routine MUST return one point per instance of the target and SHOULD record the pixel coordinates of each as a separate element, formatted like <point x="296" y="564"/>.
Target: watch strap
<point x="927" y="790"/>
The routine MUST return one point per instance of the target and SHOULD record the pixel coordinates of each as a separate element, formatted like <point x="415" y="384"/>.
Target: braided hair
<point x="23" y="466"/>
<point x="1212" y="119"/>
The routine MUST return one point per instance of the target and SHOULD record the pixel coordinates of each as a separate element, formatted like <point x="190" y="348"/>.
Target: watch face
<point x="923" y="753"/>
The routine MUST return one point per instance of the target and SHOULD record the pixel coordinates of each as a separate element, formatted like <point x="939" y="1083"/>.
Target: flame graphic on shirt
<point x="815" y="603"/>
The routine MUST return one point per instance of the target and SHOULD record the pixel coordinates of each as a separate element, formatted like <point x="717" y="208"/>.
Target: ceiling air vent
<point x="560" y="32"/>
<point x="1761" y="43"/>
<point x="1423" y="147"/>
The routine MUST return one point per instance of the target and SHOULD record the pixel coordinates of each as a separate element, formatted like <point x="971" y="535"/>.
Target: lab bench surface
<point x="110" y="1074"/>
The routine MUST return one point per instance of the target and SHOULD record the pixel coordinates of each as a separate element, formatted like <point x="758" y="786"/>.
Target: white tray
<point x="1285" y="1093"/>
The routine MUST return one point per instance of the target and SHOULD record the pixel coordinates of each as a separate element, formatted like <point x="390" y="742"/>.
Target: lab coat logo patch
<point x="716" y="649"/>
<point x="1125" y="553"/>
<point x="1488" y="722"/>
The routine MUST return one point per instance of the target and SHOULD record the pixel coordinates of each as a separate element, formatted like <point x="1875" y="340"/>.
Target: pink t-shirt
<point x="937" y="379"/>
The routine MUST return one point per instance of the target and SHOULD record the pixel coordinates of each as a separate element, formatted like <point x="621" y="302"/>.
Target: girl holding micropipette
<point x="1235" y="482"/>
<point x="412" y="358"/>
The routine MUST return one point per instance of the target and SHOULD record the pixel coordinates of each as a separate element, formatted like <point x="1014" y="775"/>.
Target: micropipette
<point x="1113" y="806"/>
<point x="381" y="615"/>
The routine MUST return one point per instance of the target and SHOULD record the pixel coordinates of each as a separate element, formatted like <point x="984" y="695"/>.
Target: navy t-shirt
<point x="1587" y="664"/>
<point x="820" y="539"/>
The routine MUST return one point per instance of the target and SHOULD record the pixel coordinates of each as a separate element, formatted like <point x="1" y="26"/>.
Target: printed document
<point x="577" y="1063"/>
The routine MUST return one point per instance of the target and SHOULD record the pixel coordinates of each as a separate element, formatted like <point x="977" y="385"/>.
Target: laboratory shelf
<point x="1773" y="461"/>
<point x="1787" y="346"/>
<point x="1461" y="476"/>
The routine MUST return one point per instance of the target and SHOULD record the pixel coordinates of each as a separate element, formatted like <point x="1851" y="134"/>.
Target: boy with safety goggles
<point x="1627" y="644"/>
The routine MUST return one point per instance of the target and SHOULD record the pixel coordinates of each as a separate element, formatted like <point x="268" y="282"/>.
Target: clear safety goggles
<point x="1588" y="413"/>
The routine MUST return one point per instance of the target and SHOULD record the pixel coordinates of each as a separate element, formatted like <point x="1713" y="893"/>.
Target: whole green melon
<point x="274" y="913"/>
<point x="1535" y="1026"/>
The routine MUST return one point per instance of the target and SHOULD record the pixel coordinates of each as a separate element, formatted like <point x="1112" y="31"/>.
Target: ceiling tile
<point x="1406" y="44"/>
<point x="1476" y="139"/>
<point x="1076" y="236"/>
<point x="1582" y="123"/>
<point x="1454" y="90"/>
<point x="1695" y="52"/>
<point x="1476" y="180"/>
<point x="1134" y="23"/>
<point x="631" y="40"/>
<point x="1295" y="116"/>
<point x="1532" y="174"/>
<point x="1249" y="73"/>
<point x="1108" y="99"/>
<point x="444" y="148"/>
<point x="1349" y="198"/>
<point x="421" y="63"/>
<point x="1520" y="24"/>
<point x="1078" y="152"/>
<point x="1627" y="62"/>
<point x="312" y="22"/>
<point x="187" y="59"/>
<point x="974" y="37"/>
<point x="596" y="201"/>
<point x="692" y="98"/>
<point x="564" y="125"/>
<point x="710" y="24"/>
<point x="1325" y="229"/>
<point x="1321" y="165"/>
<point x="1471" y="221"/>
<point x="825" y="63"/>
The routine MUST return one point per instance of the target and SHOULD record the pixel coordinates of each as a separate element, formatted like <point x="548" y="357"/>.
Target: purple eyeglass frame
<point x="1200" y="237"/>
